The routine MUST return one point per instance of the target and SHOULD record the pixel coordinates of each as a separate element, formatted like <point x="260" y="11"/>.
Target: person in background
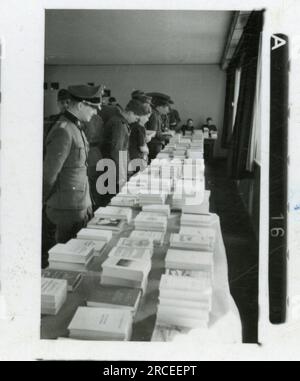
<point x="66" y="191"/>
<point x="160" y="103"/>
<point x="209" y="125"/>
<point x="174" y="119"/>
<point x="94" y="131"/>
<point x="115" y="143"/>
<point x="189" y="126"/>
<point x="138" y="148"/>
<point x="63" y="101"/>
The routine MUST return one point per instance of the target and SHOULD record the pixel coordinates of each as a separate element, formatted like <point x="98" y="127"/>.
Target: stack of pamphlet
<point x="156" y="237"/>
<point x="184" y="301"/>
<point x="191" y="241"/>
<point x="163" y="155"/>
<point x="188" y="192"/>
<point x="154" y="197"/>
<point x="54" y="295"/>
<point x="189" y="260"/>
<point x="208" y="234"/>
<point x="179" y="153"/>
<point x="73" y="278"/>
<point x="199" y="208"/>
<point x="75" y="255"/>
<point x="137" y="253"/>
<point x="151" y="221"/>
<point x="159" y="209"/>
<point x="197" y="220"/>
<point x="136" y="243"/>
<point x="195" y="153"/>
<point x="114" y="224"/>
<point x="125" y="272"/>
<point x="109" y="324"/>
<point x="115" y="297"/>
<point x="99" y="237"/>
<point x="124" y="199"/>
<point x="114" y="212"/>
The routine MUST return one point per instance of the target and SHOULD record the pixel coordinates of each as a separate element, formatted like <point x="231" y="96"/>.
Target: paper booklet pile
<point x="156" y="237"/>
<point x="73" y="278"/>
<point x="192" y="241"/>
<point x="136" y="253"/>
<point x="113" y="224"/>
<point x="199" y="208"/>
<point x="118" y="271"/>
<point x="136" y="243"/>
<point x="198" y="220"/>
<point x="100" y="238"/>
<point x="75" y="255"/>
<point x="184" y="302"/>
<point x="54" y="295"/>
<point x="115" y="297"/>
<point x="190" y="260"/>
<point x="109" y="324"/>
<point x="124" y="199"/>
<point x="151" y="221"/>
<point x="114" y="212"/>
<point x="188" y="192"/>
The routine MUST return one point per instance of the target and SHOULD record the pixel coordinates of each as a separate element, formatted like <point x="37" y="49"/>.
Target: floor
<point x="241" y="246"/>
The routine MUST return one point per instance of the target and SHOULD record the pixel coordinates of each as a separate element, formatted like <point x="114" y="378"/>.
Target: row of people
<point x="83" y="133"/>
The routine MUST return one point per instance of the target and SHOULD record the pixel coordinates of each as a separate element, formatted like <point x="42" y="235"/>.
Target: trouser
<point x="97" y="198"/>
<point x="48" y="237"/>
<point x="67" y="222"/>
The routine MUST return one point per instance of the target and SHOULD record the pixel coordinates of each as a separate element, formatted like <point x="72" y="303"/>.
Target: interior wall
<point x="197" y="90"/>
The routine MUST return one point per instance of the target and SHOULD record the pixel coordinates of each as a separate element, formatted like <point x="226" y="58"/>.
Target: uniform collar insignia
<point x="72" y="118"/>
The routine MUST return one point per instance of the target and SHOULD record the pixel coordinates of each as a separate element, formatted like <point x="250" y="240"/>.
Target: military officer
<point x="65" y="181"/>
<point x="160" y="103"/>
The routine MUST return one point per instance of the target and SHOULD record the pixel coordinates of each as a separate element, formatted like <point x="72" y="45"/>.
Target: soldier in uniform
<point x="65" y="181"/>
<point x="116" y="138"/>
<point x="160" y="103"/>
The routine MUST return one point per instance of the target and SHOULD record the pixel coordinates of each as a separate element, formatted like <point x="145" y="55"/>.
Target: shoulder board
<point x="62" y="124"/>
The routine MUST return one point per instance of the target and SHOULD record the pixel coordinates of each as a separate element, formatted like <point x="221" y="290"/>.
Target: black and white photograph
<point x="154" y="183"/>
<point x="171" y="99"/>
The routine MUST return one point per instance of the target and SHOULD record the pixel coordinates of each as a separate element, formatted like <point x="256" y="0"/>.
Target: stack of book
<point x="197" y="220"/>
<point x="113" y="224"/>
<point x="189" y="260"/>
<point x="73" y="278"/>
<point x="115" y="297"/>
<point x="188" y="192"/>
<point x="151" y="221"/>
<point x="136" y="243"/>
<point x="184" y="302"/>
<point x="208" y="234"/>
<point x="136" y="253"/>
<point x="115" y="213"/>
<point x="179" y="153"/>
<point x="200" y="207"/>
<point x="99" y="237"/>
<point x="159" y="209"/>
<point x="125" y="272"/>
<point x="109" y="324"/>
<point x="75" y="255"/>
<point x="124" y="199"/>
<point x="156" y="237"/>
<point x="192" y="241"/>
<point x="195" y="153"/>
<point x="153" y="197"/>
<point x="163" y="155"/>
<point x="54" y="295"/>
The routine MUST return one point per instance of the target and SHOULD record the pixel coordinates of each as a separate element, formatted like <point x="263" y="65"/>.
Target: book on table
<point x="101" y="324"/>
<point x="126" y="268"/>
<point x="150" y="221"/>
<point x="53" y="295"/>
<point x="189" y="260"/>
<point x="73" y="278"/>
<point x="142" y="243"/>
<point x="114" y="212"/>
<point x="119" y="282"/>
<point x="134" y="253"/>
<point x="156" y="237"/>
<point x="95" y="234"/>
<point x="115" y="297"/>
<point x="114" y="224"/>
<point x="75" y="251"/>
<point x="208" y="233"/>
<point x="197" y="220"/>
<point x="191" y="241"/>
<point x="158" y="209"/>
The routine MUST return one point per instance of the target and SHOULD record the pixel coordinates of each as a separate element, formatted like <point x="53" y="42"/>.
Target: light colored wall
<point x="197" y="90"/>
